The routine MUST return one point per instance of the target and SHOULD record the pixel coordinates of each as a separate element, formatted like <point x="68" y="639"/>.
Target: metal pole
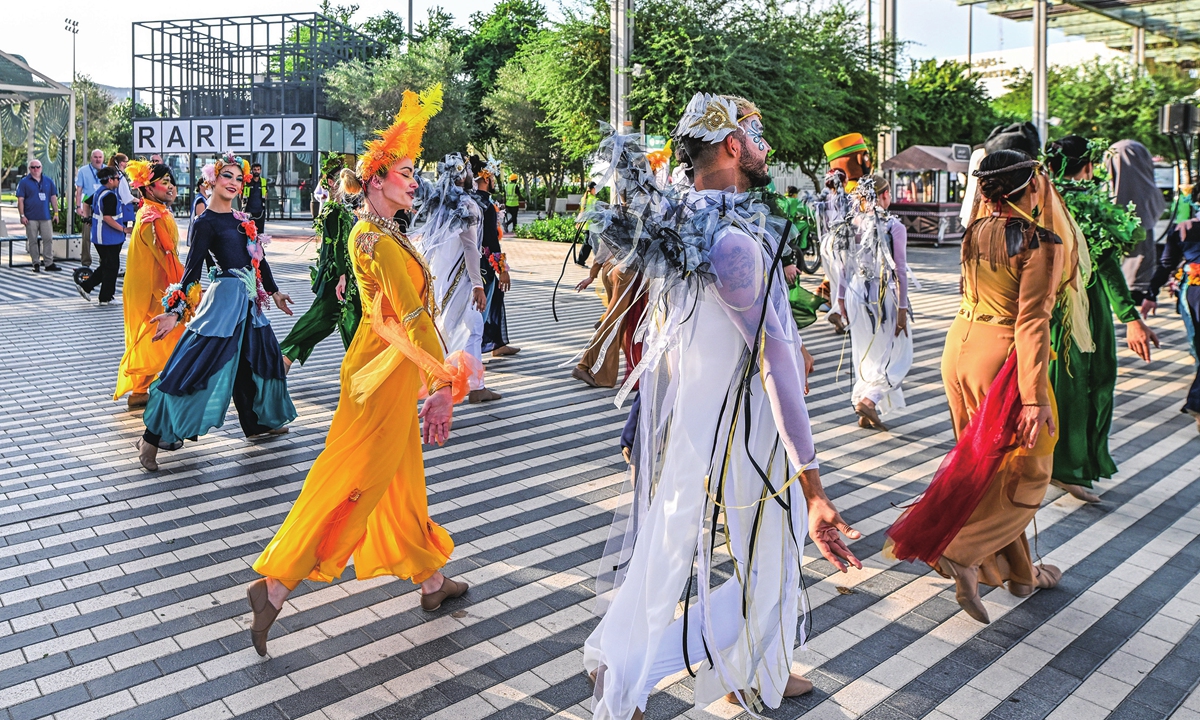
<point x="614" y="88"/>
<point x="70" y="226"/>
<point x="1139" y="48"/>
<point x="1041" y="98"/>
<point x="410" y="14"/>
<point x="887" y="36"/>
<point x="970" y="35"/>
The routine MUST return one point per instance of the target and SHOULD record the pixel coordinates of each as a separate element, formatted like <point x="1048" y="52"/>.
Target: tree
<point x="99" y="104"/>
<point x="120" y="123"/>
<point x="808" y="69"/>
<point x="567" y="73"/>
<point x="387" y="27"/>
<point x="941" y="103"/>
<point x="526" y="144"/>
<point x="367" y="94"/>
<point x="1107" y="99"/>
<point x="493" y="39"/>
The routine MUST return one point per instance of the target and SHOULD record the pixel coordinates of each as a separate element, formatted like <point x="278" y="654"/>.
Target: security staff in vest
<point x="108" y="235"/>
<point x="254" y="198"/>
<point x="512" y="203"/>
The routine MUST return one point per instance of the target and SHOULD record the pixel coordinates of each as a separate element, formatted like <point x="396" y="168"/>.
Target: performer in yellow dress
<point x="151" y="266"/>
<point x="365" y="494"/>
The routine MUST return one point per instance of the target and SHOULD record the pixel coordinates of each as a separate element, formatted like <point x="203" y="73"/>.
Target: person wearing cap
<point x="151" y="266"/>
<point x="585" y="204"/>
<point x="849" y="160"/>
<point x="512" y="202"/>
<point x="108" y="235"/>
<point x="37" y="204"/>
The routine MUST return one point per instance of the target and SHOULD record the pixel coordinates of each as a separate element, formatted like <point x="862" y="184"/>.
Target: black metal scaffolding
<point x="241" y="66"/>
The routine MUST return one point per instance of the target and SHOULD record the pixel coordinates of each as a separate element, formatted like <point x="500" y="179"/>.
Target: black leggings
<point x="106" y="275"/>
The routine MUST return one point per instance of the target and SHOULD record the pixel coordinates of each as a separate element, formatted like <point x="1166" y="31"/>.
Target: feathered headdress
<point x="490" y="170"/>
<point x="139" y="173"/>
<point x="210" y="171"/>
<point x="708" y="117"/>
<point x="659" y="158"/>
<point x="403" y="138"/>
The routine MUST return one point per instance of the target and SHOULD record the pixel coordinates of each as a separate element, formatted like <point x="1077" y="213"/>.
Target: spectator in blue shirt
<point x="37" y="201"/>
<point x="87" y="182"/>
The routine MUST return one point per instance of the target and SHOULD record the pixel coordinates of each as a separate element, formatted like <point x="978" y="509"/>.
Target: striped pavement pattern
<point x="122" y="593"/>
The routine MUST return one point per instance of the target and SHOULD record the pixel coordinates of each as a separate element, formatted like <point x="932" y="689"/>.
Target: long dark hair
<point x="1005" y="175"/>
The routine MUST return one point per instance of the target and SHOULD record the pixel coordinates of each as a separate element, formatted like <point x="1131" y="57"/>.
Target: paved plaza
<point x="122" y="593"/>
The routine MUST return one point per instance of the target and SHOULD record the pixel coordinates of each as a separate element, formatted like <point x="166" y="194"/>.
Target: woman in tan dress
<point x="1012" y="275"/>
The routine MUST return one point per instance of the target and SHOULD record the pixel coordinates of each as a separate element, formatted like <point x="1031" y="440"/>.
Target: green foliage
<point x="1106" y="225"/>
<point x="366" y="95"/>
<point x="524" y="142"/>
<point x="940" y="104"/>
<point x="492" y="41"/>
<point x="556" y="229"/>
<point x="120" y="124"/>
<point x="1107" y="98"/>
<point x="567" y="70"/>
<point x="386" y="27"/>
<point x="100" y="120"/>
<point x="806" y="67"/>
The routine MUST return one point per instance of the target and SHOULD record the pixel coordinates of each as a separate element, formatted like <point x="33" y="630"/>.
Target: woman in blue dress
<point x="1181" y="261"/>
<point x="228" y="350"/>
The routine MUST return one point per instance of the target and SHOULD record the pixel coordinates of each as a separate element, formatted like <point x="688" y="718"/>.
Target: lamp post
<point x="72" y="26"/>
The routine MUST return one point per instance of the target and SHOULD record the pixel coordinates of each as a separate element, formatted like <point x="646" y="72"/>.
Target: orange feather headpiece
<point x="139" y="173"/>
<point x="403" y="138"/>
<point x="659" y="158"/>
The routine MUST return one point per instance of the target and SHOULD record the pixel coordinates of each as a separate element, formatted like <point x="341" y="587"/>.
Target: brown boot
<point x="966" y="588"/>
<point x="505" y="351"/>
<point x="137" y="400"/>
<point x="450" y="589"/>
<point x="264" y="614"/>
<point x="585" y="376"/>
<point x="147" y="455"/>
<point x="482" y="395"/>
<point x="1044" y="577"/>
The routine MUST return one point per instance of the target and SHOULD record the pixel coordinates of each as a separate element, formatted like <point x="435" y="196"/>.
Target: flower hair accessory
<point x="708" y="117"/>
<point x="139" y="172"/>
<point x="402" y="139"/>
<point x="210" y="171"/>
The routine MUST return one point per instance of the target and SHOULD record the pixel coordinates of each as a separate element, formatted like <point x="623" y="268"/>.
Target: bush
<point x="556" y="229"/>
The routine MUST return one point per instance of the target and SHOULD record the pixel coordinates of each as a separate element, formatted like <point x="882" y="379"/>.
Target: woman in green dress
<point x="336" y="306"/>
<point x="1084" y="382"/>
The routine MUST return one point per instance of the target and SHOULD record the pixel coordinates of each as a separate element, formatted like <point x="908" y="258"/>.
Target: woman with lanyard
<point x="365" y="494"/>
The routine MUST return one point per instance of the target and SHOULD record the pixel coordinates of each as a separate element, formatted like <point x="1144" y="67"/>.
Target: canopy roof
<point x="21" y="83"/>
<point x="925" y="157"/>
<point x="1172" y="26"/>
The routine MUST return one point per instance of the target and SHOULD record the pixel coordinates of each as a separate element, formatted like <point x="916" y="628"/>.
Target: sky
<point x="934" y="28"/>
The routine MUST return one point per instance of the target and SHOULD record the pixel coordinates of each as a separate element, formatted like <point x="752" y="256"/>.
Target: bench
<point x="66" y="255"/>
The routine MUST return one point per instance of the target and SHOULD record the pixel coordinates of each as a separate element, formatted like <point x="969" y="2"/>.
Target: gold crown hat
<point x="402" y="139"/>
<point x="708" y="117"/>
<point x="840" y="147"/>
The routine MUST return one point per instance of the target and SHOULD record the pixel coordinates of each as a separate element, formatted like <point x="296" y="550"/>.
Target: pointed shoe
<point x="450" y="589"/>
<point x="966" y="589"/>
<point x="264" y="614"/>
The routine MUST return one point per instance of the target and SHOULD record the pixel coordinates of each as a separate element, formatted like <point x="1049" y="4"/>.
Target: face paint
<point x="755" y="131"/>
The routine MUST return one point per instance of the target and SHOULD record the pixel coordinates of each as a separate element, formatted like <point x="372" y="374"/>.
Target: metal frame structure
<point x="241" y="66"/>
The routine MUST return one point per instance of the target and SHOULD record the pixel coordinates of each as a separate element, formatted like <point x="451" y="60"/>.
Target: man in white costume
<point x="726" y="471"/>
<point x="450" y="239"/>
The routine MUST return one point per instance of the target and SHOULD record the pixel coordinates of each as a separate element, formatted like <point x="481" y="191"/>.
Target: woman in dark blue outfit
<point x="1181" y="258"/>
<point x="228" y="350"/>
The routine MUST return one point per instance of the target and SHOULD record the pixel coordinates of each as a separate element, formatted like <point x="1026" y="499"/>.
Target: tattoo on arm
<point x="739" y="268"/>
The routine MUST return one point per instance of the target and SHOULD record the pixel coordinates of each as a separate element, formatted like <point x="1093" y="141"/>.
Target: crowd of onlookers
<point x="107" y="208"/>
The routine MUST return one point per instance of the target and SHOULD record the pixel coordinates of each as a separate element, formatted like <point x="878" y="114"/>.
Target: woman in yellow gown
<point x="152" y="264"/>
<point x="365" y="494"/>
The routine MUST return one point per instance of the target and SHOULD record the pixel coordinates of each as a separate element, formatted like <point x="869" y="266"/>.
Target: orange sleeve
<point x="1040" y="269"/>
<point x="391" y="269"/>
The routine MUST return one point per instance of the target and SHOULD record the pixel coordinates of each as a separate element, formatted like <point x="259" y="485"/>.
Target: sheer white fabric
<point x="874" y="287"/>
<point x="453" y="249"/>
<point x="701" y="434"/>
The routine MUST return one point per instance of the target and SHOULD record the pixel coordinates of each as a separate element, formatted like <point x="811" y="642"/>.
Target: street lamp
<point x="72" y="26"/>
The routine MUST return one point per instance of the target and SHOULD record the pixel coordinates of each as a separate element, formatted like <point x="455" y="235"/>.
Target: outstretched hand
<point x="437" y="415"/>
<point x="282" y="301"/>
<point x="826" y="528"/>
<point x="166" y="322"/>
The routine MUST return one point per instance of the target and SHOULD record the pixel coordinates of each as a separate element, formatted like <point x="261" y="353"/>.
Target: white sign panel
<point x="147" y="135"/>
<point x="298" y="135"/>
<point x="235" y="135"/>
<point x="206" y="136"/>
<point x="267" y="134"/>
<point x="176" y="136"/>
